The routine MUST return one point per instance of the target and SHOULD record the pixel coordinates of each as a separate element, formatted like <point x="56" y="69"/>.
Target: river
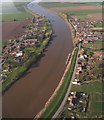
<point x="29" y="94"/>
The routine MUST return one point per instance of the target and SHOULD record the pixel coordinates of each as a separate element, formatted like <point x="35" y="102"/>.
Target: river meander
<point x="29" y="94"/>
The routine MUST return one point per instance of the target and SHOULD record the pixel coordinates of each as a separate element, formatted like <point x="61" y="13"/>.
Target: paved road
<point x="60" y="109"/>
<point x="29" y="94"/>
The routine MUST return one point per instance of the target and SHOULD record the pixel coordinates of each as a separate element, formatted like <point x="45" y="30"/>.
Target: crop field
<point x="16" y="11"/>
<point x="84" y="14"/>
<point x="81" y="12"/>
<point x="53" y="5"/>
<point x="85" y="11"/>
<point x="11" y="17"/>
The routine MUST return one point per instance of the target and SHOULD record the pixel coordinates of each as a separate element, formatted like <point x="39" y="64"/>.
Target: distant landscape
<point x="16" y="10"/>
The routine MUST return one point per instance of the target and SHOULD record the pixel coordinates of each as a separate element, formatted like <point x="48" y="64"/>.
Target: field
<point x="54" y="5"/>
<point x="11" y="17"/>
<point x="78" y="8"/>
<point x="15" y="29"/>
<point x="14" y="18"/>
<point x="89" y="11"/>
<point x="94" y="89"/>
<point x="82" y="12"/>
<point x="16" y="11"/>
<point x="97" y="45"/>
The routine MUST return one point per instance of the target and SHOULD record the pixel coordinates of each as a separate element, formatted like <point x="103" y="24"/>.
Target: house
<point x="85" y="56"/>
<point x="85" y="41"/>
<point x="91" y="58"/>
<point x="19" y="54"/>
<point x="76" y="82"/>
<point x="8" y="49"/>
<point x="81" y="57"/>
<point x="79" y="68"/>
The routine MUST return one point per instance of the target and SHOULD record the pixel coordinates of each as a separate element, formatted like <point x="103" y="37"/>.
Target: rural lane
<point x="60" y="109"/>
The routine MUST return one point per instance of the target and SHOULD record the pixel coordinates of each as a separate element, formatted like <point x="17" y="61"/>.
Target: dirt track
<point x="12" y="29"/>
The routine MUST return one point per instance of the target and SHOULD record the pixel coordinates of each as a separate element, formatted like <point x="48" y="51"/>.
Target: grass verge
<point x="55" y="103"/>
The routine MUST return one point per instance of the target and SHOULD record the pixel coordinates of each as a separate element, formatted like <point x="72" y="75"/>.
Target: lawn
<point x="53" y="5"/>
<point x="95" y="97"/>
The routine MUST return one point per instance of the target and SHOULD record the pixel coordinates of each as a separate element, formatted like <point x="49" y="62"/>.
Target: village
<point x="89" y="65"/>
<point x="86" y="38"/>
<point x="19" y="51"/>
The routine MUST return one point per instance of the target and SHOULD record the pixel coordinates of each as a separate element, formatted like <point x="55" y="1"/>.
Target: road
<point x="60" y="109"/>
<point x="30" y="93"/>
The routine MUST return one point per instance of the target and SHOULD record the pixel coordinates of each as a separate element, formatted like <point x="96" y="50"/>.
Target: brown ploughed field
<point x="12" y="29"/>
<point x="77" y="8"/>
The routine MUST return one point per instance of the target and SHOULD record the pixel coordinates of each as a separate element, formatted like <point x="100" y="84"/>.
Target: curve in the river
<point x="29" y="94"/>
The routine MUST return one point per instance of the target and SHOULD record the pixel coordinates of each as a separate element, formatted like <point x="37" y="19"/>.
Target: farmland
<point x="14" y="17"/>
<point x="94" y="110"/>
<point x="54" y="5"/>
<point x="95" y="91"/>
<point x="80" y="10"/>
<point x="90" y="75"/>
<point x="11" y="17"/>
<point x="15" y="29"/>
<point x="16" y="11"/>
<point x="97" y="45"/>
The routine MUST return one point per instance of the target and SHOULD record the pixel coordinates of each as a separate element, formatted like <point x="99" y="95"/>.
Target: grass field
<point x="81" y="12"/>
<point x="53" y="5"/>
<point x="11" y="17"/>
<point x="16" y="11"/>
<point x="95" y="91"/>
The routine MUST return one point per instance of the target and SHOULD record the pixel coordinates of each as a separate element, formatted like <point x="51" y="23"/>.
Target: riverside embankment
<point x="29" y="94"/>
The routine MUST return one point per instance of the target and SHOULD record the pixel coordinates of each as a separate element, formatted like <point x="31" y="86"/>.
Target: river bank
<point x="57" y="97"/>
<point x="32" y="44"/>
<point x="41" y="80"/>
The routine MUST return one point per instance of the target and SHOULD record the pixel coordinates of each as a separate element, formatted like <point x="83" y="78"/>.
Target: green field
<point x="16" y="11"/>
<point x="95" y="91"/>
<point x="81" y="12"/>
<point x="53" y="5"/>
<point x="11" y="17"/>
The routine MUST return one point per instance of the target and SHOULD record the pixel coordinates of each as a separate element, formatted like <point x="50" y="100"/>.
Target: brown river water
<point x="29" y="94"/>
